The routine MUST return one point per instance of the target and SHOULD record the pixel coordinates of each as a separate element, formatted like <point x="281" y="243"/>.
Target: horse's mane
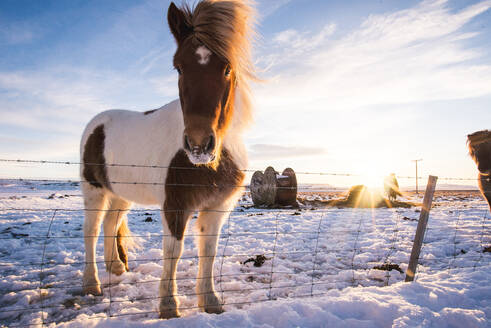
<point x="476" y="139"/>
<point x="479" y="137"/>
<point x="226" y="27"/>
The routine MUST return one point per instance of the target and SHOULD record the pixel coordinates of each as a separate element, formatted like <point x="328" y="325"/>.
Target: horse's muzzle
<point x="200" y="154"/>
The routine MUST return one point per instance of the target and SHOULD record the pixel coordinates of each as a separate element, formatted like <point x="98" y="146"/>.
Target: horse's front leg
<point x="174" y="224"/>
<point x="209" y="224"/>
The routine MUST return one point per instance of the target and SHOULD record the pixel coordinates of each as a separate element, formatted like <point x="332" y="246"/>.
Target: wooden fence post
<point x="420" y="231"/>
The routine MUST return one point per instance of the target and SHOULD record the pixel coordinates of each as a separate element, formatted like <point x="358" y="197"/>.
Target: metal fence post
<point x="420" y="231"/>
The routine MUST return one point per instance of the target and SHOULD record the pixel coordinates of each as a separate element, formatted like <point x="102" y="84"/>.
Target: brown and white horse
<point x="480" y="150"/>
<point x="196" y="141"/>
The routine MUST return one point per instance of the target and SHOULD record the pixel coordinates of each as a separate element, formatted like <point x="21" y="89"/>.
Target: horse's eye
<point x="227" y="71"/>
<point x="179" y="70"/>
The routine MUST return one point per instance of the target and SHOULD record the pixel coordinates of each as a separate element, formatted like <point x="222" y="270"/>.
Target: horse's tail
<point x="124" y="241"/>
<point x="124" y="234"/>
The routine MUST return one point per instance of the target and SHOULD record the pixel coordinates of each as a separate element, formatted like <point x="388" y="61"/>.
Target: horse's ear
<point x="177" y="23"/>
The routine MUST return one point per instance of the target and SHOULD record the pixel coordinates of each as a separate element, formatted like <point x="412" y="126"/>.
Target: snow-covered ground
<point x="327" y="253"/>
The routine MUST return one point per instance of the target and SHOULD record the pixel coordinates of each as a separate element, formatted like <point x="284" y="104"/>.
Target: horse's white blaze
<point x="204" y="55"/>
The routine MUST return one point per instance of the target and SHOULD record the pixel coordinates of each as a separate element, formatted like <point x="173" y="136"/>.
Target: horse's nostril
<point x="210" y="145"/>
<point x="187" y="146"/>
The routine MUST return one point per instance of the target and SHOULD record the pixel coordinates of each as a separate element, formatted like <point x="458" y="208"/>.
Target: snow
<point x="319" y="267"/>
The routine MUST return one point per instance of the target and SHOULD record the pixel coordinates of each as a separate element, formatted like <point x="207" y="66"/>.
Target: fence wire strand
<point x="341" y="174"/>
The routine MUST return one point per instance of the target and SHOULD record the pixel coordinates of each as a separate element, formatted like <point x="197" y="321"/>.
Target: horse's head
<point x="480" y="150"/>
<point x="206" y="90"/>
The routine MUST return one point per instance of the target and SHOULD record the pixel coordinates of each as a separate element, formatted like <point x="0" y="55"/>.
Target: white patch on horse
<point x="204" y="55"/>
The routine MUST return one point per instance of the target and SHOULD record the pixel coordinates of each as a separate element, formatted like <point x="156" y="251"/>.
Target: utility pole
<point x="416" y="162"/>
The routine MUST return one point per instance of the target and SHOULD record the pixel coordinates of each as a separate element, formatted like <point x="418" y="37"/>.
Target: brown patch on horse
<point x="484" y="184"/>
<point x="479" y="144"/>
<point x="95" y="171"/>
<point x="189" y="188"/>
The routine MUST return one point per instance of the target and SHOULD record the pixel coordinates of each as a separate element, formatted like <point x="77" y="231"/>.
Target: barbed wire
<point x="29" y="161"/>
<point x="246" y="187"/>
<point x="341" y="174"/>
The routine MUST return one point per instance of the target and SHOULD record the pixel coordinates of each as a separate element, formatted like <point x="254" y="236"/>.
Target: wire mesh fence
<point x="263" y="254"/>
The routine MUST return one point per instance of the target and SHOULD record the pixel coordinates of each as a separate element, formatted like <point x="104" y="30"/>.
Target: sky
<point x="359" y="87"/>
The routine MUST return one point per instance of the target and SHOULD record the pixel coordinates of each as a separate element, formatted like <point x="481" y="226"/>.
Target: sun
<point x="372" y="175"/>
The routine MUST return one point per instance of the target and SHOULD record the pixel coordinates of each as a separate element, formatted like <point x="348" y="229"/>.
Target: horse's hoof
<point x="169" y="313"/>
<point x="215" y="309"/>
<point x="210" y="303"/>
<point x="116" y="267"/>
<point x="94" y="289"/>
<point x="169" y="308"/>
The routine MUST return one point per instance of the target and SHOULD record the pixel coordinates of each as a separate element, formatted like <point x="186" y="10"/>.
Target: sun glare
<point x="372" y="176"/>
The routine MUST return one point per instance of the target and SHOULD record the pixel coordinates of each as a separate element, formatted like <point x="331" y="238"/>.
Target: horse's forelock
<point x="226" y="28"/>
<point x="478" y="142"/>
<point x="479" y="137"/>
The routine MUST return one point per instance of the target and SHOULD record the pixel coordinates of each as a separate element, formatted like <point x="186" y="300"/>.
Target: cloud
<point x="266" y="151"/>
<point x="412" y="55"/>
<point x="156" y="56"/>
<point x="50" y="103"/>
<point x="42" y="99"/>
<point x="304" y="40"/>
<point x="269" y="7"/>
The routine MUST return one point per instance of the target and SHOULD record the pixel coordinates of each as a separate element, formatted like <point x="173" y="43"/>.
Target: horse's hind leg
<point x="95" y="201"/>
<point x="114" y="220"/>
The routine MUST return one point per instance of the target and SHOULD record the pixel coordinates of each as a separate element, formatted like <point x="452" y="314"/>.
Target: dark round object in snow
<point x="286" y="183"/>
<point x="271" y="188"/>
<point x="263" y="187"/>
